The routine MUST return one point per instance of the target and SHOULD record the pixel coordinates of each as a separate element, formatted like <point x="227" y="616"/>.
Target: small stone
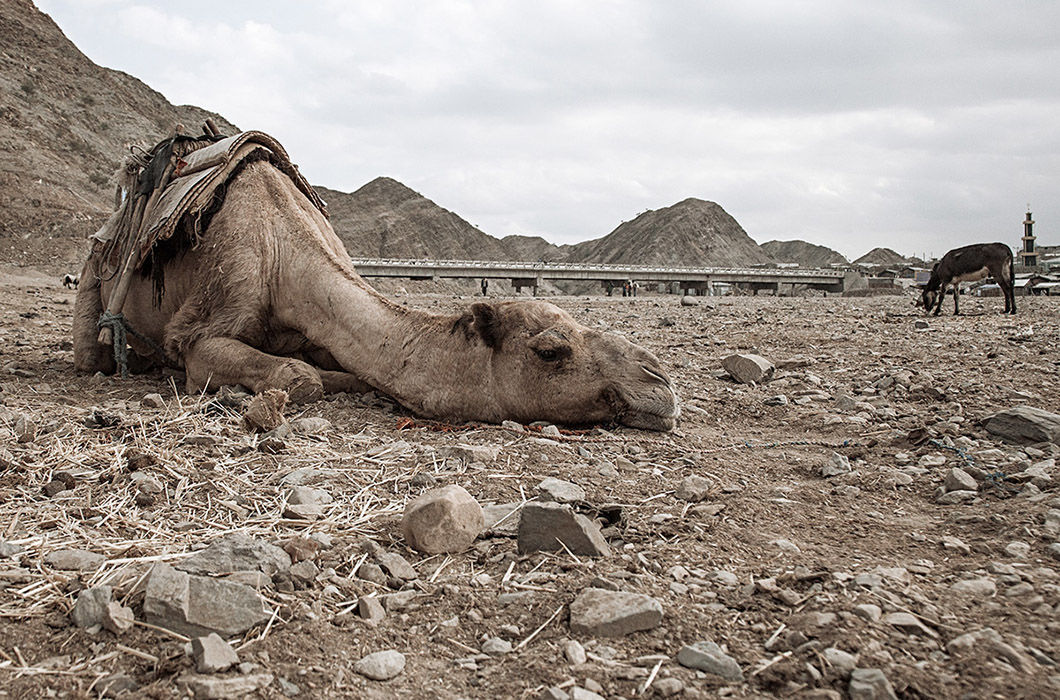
<point x="959" y="480"/>
<point x="613" y="613"/>
<point x="445" y="519"/>
<point x="1017" y="550"/>
<point x="236" y="551"/>
<point x="305" y="495"/>
<point x="303" y="511"/>
<point x="115" y="684"/>
<point x="870" y="684"/>
<point x="397" y="566"/>
<point x="868" y="611"/>
<point x="212" y="654"/>
<point x="983" y="587"/>
<point x="265" y="410"/>
<point x="152" y="401"/>
<point x="502" y="520"/>
<point x="117" y="618"/>
<point x="688" y="300"/>
<point x="91" y="606"/>
<point x="748" y="368"/>
<point x="74" y="560"/>
<point x="25" y="429"/>
<point x="837" y="464"/>
<point x="1054" y="550"/>
<point x="224" y="686"/>
<point x="786" y="546"/>
<point x="574" y="652"/>
<point x="843" y="662"/>
<point x="372" y="573"/>
<point x="708" y="657"/>
<point x="952" y="498"/>
<point x="495" y="646"/>
<point x="197" y="605"/>
<point x="304" y="572"/>
<point x="146" y="483"/>
<point x="544" y="526"/>
<point x="301" y="549"/>
<point x="778" y="400"/>
<point x="311" y="425"/>
<point x="693" y="488"/>
<point x="908" y="623"/>
<point x="668" y="687"/>
<point x="559" y="491"/>
<point x="371" y="608"/>
<point x="10" y="549"/>
<point x="381" y="665"/>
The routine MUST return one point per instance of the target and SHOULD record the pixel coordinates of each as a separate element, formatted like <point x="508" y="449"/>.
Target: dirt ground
<point x="772" y="565"/>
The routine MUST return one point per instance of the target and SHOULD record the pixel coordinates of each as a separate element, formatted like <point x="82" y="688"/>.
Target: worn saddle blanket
<point x="198" y="178"/>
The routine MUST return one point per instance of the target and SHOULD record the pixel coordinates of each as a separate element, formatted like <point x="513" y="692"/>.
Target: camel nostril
<point x="657" y="374"/>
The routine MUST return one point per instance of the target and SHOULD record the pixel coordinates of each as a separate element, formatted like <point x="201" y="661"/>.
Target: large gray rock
<point x="212" y="654"/>
<point x="747" y="368"/>
<point x="381" y="665"/>
<point x="709" y="658"/>
<point x="559" y="491"/>
<point x="91" y="606"/>
<point x="223" y="687"/>
<point x="196" y="605"/>
<point x="445" y="519"/>
<point x="606" y="613"/>
<point x="1025" y="424"/>
<point x="870" y="684"/>
<point x="237" y="552"/>
<point x="543" y="526"/>
<point x="74" y="560"/>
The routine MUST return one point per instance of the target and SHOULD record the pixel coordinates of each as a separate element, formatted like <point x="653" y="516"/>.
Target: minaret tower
<point x="1028" y="256"/>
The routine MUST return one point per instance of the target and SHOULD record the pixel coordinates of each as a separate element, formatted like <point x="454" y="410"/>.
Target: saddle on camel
<point x="220" y="260"/>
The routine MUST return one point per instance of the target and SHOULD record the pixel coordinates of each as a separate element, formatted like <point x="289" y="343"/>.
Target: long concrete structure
<point x="532" y="274"/>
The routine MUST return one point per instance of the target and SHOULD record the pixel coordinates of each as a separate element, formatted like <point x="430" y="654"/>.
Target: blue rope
<point x="120" y="326"/>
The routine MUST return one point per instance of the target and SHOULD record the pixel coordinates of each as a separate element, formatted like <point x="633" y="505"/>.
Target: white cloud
<point x="917" y="126"/>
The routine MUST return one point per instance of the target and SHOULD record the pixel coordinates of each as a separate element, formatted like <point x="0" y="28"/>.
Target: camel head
<point x="547" y="366"/>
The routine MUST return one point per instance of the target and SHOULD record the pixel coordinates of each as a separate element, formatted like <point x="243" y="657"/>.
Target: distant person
<point x="633" y="287"/>
<point x="485" y="286"/>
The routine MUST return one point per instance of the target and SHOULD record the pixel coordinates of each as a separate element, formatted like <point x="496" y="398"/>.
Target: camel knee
<point x="301" y="382"/>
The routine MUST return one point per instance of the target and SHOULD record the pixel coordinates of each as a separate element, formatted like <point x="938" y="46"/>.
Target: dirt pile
<point x="65" y="124"/>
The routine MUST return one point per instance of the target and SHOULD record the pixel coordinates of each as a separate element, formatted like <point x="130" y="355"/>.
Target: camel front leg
<point x="215" y="362"/>
<point x="89" y="355"/>
<point x="334" y="382"/>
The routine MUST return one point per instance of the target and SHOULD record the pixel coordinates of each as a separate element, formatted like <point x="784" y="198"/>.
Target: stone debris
<point x="574" y="652"/>
<point x="983" y="587"/>
<point x="544" y="526"/>
<point x="747" y="369"/>
<point x="265" y="410"/>
<point x="74" y="560"/>
<point x="381" y="665"/>
<point x="308" y="496"/>
<point x="117" y="618"/>
<point x="397" y="566"/>
<point x="559" y="491"/>
<point x="153" y="401"/>
<point x="843" y="662"/>
<point x="310" y="425"/>
<point x="1025" y="424"/>
<point x="224" y="687"/>
<point x="870" y="684"/>
<point x="486" y="454"/>
<point x="236" y="552"/>
<point x="959" y="480"/>
<point x="693" y="488"/>
<point x="91" y="606"/>
<point x="688" y="300"/>
<point x="301" y="549"/>
<point x="446" y="519"/>
<point x="989" y="640"/>
<point x="197" y="605"/>
<point x="502" y="519"/>
<point x="495" y="646"/>
<point x="909" y="624"/>
<point x="952" y="498"/>
<point x="837" y="464"/>
<point x="212" y="654"/>
<point x="371" y="609"/>
<point x="603" y="613"/>
<point x="708" y="657"/>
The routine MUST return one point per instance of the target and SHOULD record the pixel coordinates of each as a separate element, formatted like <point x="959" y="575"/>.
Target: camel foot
<point x="298" y="379"/>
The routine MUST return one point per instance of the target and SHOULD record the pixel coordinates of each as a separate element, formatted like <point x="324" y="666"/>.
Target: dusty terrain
<point x="772" y="565"/>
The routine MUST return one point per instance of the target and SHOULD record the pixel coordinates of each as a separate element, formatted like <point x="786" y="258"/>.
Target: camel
<point x="267" y="298"/>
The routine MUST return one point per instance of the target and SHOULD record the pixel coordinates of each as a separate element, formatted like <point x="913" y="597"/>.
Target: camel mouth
<point x="656" y="407"/>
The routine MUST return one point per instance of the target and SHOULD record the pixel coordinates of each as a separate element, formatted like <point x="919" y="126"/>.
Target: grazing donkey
<point x="968" y="264"/>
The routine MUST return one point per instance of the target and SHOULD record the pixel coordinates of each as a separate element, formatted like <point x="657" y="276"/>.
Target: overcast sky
<point x="914" y="125"/>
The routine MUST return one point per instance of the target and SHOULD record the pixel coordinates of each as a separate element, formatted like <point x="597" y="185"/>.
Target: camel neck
<point x="420" y="359"/>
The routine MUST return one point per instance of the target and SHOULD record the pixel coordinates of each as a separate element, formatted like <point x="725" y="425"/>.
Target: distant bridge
<point x="532" y="274"/>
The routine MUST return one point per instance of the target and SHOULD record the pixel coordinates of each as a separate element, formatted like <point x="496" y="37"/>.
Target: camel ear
<point x="487" y="323"/>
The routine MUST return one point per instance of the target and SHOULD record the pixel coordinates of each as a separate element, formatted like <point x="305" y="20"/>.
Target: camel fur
<point x="267" y="298"/>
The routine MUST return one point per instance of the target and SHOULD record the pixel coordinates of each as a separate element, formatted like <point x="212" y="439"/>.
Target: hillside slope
<point x="65" y="124"/>
<point x="691" y="232"/>
<point x="803" y="253"/>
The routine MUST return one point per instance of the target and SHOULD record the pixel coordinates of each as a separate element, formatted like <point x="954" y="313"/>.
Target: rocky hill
<point x="534" y="248"/>
<point x="65" y="124"/>
<point x="882" y="257"/>
<point x="386" y="219"/>
<point x="691" y="232"/>
<point x="802" y="253"/>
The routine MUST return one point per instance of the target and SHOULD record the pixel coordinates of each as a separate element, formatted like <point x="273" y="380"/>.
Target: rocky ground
<point x="845" y="526"/>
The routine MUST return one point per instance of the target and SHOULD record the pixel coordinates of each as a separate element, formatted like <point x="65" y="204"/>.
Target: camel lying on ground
<point x="267" y="298"/>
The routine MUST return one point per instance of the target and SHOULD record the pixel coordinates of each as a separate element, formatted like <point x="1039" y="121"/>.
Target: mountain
<point x="691" y="232"/>
<point x="65" y="124"/>
<point x="803" y="253"/>
<point x="882" y="257"/>
<point x="534" y="249"/>
<point x="385" y="219"/>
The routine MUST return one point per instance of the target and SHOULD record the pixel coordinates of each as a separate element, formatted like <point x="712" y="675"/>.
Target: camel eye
<point x="547" y="354"/>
